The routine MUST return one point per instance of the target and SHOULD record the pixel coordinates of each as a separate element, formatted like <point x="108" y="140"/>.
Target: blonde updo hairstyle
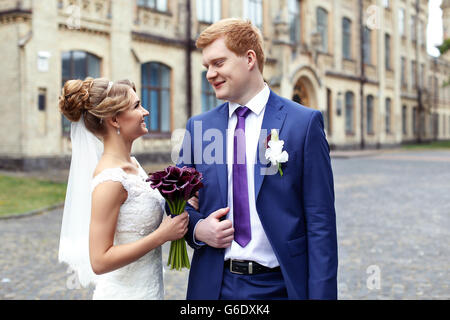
<point x="93" y="100"/>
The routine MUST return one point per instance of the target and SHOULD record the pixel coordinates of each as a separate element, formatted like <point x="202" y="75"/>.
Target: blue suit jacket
<point x="296" y="210"/>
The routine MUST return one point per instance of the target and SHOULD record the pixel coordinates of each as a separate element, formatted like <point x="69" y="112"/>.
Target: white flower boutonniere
<point x="274" y="152"/>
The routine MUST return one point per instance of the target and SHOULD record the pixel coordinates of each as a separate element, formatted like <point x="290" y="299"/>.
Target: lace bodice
<point x="139" y="215"/>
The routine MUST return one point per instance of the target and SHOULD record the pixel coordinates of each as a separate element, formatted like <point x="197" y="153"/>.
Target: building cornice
<point x="15" y="15"/>
<point x="350" y="77"/>
<point x="147" y="37"/>
<point x="62" y="26"/>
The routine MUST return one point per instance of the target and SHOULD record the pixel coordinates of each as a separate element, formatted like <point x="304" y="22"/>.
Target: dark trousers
<point x="264" y="286"/>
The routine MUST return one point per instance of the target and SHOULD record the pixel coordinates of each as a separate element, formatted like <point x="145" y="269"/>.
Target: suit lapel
<point x="221" y="123"/>
<point x="273" y="119"/>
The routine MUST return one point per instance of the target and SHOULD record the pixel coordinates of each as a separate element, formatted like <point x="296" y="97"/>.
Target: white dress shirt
<point x="259" y="248"/>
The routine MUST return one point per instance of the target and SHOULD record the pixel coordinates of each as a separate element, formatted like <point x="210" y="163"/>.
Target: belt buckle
<point x="231" y="266"/>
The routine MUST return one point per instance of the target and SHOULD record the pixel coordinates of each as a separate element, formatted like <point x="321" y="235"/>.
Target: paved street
<point x="393" y="216"/>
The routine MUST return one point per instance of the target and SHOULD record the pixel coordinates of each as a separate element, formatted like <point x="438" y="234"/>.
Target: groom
<point x="258" y="234"/>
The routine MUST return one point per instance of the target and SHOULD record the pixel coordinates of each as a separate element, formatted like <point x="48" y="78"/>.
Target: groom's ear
<point x="251" y="59"/>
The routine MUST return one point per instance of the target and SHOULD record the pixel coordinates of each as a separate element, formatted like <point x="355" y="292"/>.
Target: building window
<point x="420" y="32"/>
<point x="436" y="89"/>
<point x="349" y="107"/>
<point x="346" y="38"/>
<point x="294" y="21"/>
<point x="401" y="21"/>
<point x="422" y="75"/>
<point x="369" y="115"/>
<point x="159" y="5"/>
<point x="209" y="100"/>
<point x="329" y="113"/>
<point x="209" y="11"/>
<point x="387" y="51"/>
<point x="435" y="124"/>
<point x="413" y="74"/>
<point x="77" y="65"/>
<point x="414" y="121"/>
<point x="388" y="115"/>
<point x="253" y="10"/>
<point x="412" y="23"/>
<point x="386" y="3"/>
<point x="444" y="125"/>
<point x="367" y="36"/>
<point x="403" y="72"/>
<point x="156" y="96"/>
<point x="42" y="99"/>
<point x="322" y="27"/>
<point x="404" y="120"/>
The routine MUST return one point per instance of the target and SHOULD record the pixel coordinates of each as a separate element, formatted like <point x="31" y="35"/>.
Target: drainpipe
<point x="188" y="60"/>
<point x="420" y="107"/>
<point x="363" y="75"/>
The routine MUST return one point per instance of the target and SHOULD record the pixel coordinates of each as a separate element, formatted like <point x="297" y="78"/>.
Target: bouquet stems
<point x="178" y="257"/>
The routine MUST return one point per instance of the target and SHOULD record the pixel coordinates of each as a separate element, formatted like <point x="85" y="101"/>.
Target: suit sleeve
<point x="186" y="159"/>
<point x="318" y="200"/>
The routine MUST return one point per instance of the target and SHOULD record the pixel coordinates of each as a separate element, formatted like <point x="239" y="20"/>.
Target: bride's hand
<point x="194" y="201"/>
<point x="174" y="228"/>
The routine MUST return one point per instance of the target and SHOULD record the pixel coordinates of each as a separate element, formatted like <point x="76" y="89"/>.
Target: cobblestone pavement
<point x="393" y="217"/>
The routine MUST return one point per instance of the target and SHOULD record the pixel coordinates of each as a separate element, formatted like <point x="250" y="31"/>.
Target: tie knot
<point x="242" y="112"/>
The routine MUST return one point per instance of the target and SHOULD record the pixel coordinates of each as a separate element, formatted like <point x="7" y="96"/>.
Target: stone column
<point x="122" y="60"/>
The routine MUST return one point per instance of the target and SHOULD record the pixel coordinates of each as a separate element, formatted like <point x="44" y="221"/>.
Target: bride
<point x="113" y="226"/>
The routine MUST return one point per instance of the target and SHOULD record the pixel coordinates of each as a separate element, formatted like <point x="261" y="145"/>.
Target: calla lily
<point x="177" y="186"/>
<point x="274" y="135"/>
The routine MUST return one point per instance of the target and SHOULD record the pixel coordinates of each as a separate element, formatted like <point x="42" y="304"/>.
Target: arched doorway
<point x="300" y="94"/>
<point x="304" y="93"/>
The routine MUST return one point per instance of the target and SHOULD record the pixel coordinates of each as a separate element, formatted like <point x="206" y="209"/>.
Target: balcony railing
<point x="150" y="20"/>
<point x="77" y="12"/>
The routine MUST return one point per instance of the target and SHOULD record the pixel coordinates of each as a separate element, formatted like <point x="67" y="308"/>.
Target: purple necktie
<point x="241" y="210"/>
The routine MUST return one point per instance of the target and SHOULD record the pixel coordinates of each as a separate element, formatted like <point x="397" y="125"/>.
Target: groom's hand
<point x="215" y="233"/>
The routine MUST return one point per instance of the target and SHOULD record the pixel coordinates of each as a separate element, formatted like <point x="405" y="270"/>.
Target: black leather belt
<point x="248" y="267"/>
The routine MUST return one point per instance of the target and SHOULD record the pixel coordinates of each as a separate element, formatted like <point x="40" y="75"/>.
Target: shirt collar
<point x="256" y="104"/>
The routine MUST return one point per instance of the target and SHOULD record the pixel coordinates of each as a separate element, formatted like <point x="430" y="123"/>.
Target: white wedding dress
<point x="139" y="215"/>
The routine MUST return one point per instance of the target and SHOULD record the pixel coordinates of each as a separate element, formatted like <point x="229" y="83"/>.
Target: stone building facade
<point x="364" y="64"/>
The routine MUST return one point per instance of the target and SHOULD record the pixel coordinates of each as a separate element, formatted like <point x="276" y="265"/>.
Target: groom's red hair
<point x="240" y="36"/>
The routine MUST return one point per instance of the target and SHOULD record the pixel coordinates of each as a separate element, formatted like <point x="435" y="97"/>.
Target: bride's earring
<point x="118" y="131"/>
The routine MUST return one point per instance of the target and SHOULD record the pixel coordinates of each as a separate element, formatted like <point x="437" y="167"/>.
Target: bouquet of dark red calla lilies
<point x="177" y="186"/>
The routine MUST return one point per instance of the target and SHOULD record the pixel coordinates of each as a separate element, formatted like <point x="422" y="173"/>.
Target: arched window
<point x="156" y="96"/>
<point x="209" y="100"/>
<point x="77" y="65"/>
<point x="349" y="107"/>
<point x="369" y="115"/>
<point x="322" y="27"/>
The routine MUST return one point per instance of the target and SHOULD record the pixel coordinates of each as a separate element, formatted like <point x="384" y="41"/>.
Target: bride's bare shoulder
<point x="105" y="163"/>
